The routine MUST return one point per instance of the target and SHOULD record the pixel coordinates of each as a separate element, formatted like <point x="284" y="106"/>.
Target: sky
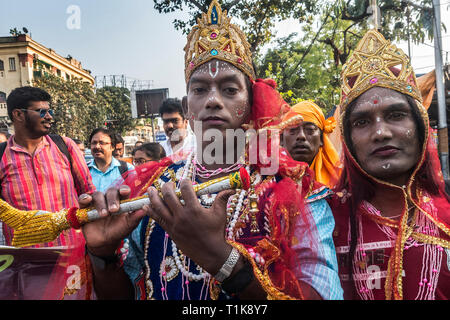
<point x="117" y="37"/>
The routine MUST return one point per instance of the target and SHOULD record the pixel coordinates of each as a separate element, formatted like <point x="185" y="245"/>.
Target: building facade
<point x="22" y="60"/>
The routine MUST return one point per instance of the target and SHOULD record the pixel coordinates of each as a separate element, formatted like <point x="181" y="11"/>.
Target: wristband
<point x="239" y="281"/>
<point x="228" y="266"/>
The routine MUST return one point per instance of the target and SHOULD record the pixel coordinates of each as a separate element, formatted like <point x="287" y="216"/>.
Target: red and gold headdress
<point x="377" y="62"/>
<point x="216" y="38"/>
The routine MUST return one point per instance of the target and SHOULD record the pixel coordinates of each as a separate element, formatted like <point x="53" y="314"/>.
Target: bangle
<point x="239" y="281"/>
<point x="228" y="266"/>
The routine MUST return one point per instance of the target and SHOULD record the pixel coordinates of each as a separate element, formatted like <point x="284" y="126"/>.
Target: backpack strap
<point x="62" y="146"/>
<point x="2" y="149"/>
<point x="123" y="167"/>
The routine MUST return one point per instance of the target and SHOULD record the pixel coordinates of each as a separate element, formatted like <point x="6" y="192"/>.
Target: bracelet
<point x="239" y="281"/>
<point x="228" y="266"/>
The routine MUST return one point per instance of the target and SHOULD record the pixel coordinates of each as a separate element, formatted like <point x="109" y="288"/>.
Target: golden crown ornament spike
<point x="214" y="37"/>
<point x="377" y="62"/>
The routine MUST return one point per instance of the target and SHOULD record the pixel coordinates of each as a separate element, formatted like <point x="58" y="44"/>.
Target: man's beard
<point x="31" y="127"/>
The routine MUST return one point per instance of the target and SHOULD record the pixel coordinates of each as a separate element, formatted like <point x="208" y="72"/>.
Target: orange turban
<point x="326" y="162"/>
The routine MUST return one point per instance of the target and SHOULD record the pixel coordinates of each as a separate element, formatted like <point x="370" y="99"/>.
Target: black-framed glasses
<point x="42" y="111"/>
<point x="140" y="161"/>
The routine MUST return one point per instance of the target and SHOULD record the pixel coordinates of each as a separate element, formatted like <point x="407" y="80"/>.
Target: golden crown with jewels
<point x="216" y="38"/>
<point x="376" y="62"/>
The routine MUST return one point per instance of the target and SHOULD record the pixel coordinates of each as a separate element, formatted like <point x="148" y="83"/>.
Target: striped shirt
<point x="43" y="180"/>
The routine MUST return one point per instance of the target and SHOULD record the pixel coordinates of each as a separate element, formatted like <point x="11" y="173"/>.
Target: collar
<point x="114" y="163"/>
<point x="17" y="147"/>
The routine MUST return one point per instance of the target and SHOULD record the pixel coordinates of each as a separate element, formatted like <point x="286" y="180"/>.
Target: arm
<point x="103" y="237"/>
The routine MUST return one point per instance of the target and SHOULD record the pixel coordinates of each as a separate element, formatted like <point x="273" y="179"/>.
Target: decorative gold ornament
<point x="375" y="63"/>
<point x="216" y="38"/>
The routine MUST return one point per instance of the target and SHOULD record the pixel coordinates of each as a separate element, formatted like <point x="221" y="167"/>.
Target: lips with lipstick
<point x="385" y="151"/>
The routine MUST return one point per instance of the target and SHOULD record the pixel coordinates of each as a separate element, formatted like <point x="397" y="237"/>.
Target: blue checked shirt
<point x="323" y="276"/>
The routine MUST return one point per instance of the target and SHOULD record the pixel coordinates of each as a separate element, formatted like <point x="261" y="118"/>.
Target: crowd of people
<point x="366" y="219"/>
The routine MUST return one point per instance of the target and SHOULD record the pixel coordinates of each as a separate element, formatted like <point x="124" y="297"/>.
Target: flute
<point x="38" y="226"/>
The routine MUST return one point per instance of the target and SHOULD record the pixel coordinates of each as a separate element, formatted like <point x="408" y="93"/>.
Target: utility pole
<point x="440" y="90"/>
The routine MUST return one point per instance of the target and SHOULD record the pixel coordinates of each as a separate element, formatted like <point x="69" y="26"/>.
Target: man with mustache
<point x="392" y="214"/>
<point x="175" y="126"/>
<point x="35" y="173"/>
<point x="309" y="142"/>
<point x="105" y="169"/>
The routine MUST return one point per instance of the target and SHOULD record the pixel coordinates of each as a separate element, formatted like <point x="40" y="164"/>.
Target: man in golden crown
<point x="392" y="213"/>
<point x="271" y="240"/>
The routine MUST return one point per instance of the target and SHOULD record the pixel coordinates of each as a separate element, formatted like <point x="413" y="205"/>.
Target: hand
<point x="103" y="236"/>
<point x="198" y="232"/>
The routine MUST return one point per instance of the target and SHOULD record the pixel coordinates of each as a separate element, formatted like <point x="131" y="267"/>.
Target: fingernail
<point x="113" y="207"/>
<point x="104" y="212"/>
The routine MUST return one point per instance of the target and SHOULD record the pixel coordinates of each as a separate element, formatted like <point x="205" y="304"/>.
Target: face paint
<point x="240" y="112"/>
<point x="409" y="133"/>
<point x="386" y="166"/>
<point x="373" y="100"/>
<point x="213" y="69"/>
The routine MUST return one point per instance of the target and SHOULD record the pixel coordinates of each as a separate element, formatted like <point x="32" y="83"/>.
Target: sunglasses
<point x="42" y="111"/>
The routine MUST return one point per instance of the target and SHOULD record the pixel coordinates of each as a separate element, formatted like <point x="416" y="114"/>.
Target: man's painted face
<point x="174" y="126"/>
<point x="303" y="142"/>
<point x="384" y="135"/>
<point x="218" y="96"/>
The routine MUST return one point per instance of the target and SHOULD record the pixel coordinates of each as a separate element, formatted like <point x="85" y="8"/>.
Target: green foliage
<point x="118" y="108"/>
<point x="316" y="78"/>
<point x="79" y="109"/>
<point x="258" y="17"/>
<point x="309" y="67"/>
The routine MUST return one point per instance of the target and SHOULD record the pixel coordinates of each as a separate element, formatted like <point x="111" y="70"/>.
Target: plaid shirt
<point x="43" y="180"/>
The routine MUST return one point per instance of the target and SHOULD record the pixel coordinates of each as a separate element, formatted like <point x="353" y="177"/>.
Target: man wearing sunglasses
<point x="38" y="170"/>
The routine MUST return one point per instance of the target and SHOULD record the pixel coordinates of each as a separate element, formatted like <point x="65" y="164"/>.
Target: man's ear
<point x="16" y="115"/>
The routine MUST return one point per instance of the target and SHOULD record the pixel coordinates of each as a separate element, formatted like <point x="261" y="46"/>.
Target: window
<point x="2" y="66"/>
<point x="12" y="64"/>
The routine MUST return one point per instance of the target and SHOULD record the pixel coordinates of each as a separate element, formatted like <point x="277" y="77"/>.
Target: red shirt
<point x="43" y="180"/>
<point x="426" y="267"/>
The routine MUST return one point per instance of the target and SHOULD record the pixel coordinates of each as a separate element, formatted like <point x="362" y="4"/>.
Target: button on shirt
<point x="112" y="176"/>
